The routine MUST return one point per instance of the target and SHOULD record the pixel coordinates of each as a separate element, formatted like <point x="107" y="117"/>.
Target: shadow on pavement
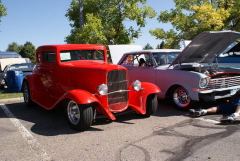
<point x="51" y="123"/>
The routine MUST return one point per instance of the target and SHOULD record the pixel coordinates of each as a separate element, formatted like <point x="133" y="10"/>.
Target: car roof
<point x="71" y="46"/>
<point x="153" y="51"/>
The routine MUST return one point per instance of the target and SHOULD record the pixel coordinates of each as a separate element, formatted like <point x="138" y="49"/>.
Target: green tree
<point x="14" y="47"/>
<point x="191" y="17"/>
<point x="103" y="21"/>
<point x="28" y="51"/>
<point x="160" y="46"/>
<point x="147" y="46"/>
<point x="3" y="10"/>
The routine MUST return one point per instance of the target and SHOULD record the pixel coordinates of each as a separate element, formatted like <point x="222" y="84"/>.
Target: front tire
<point x="151" y="105"/>
<point x="181" y="98"/>
<point x="79" y="117"/>
<point x="26" y="95"/>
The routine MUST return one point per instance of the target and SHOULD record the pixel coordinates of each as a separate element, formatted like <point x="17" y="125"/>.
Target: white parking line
<point x="26" y="135"/>
<point x="208" y="120"/>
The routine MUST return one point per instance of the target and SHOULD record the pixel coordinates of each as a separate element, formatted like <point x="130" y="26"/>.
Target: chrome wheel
<point x="73" y="112"/>
<point x="181" y="97"/>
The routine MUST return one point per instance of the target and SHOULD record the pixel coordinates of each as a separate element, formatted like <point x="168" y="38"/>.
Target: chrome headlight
<point x="137" y="85"/>
<point x="103" y="89"/>
<point x="203" y="82"/>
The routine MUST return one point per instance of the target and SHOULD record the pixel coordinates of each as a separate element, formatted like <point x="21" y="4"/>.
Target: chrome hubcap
<point x="181" y="97"/>
<point x="73" y="112"/>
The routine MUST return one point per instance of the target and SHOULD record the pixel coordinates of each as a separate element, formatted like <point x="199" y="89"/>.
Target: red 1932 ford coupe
<point x="79" y="78"/>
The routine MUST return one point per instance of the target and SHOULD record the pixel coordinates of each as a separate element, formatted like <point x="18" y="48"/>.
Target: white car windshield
<point x="163" y="58"/>
<point x="76" y="55"/>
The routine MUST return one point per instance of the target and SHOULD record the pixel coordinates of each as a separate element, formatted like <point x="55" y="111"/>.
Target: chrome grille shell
<point x="117" y="88"/>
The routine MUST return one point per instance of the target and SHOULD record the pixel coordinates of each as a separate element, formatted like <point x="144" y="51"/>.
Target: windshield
<point x="163" y="58"/>
<point x="21" y="66"/>
<point x="75" y="55"/>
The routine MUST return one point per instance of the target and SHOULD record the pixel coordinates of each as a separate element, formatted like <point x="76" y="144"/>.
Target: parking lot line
<point x="32" y="142"/>
<point x="209" y="120"/>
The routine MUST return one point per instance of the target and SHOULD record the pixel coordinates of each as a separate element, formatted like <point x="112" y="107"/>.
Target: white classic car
<point x="189" y="75"/>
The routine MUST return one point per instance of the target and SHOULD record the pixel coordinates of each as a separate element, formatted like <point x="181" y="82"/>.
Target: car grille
<point x="117" y="86"/>
<point x="224" y="82"/>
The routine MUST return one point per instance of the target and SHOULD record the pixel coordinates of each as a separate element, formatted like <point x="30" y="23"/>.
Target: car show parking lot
<point x="38" y="134"/>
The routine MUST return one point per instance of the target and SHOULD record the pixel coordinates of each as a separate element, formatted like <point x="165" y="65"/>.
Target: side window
<point x="138" y="60"/>
<point x="128" y="61"/>
<point x="49" y="57"/>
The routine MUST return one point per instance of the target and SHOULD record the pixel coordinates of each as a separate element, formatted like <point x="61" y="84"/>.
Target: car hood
<point x="205" y="47"/>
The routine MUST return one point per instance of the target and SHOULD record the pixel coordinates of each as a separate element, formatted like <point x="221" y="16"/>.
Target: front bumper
<point x="214" y="95"/>
<point x="210" y="95"/>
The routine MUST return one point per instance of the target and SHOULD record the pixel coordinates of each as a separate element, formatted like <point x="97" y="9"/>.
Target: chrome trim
<point x="95" y="94"/>
<point x="216" y="90"/>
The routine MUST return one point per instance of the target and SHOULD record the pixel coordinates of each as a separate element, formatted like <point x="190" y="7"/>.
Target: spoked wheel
<point x="26" y="95"/>
<point x="181" y="98"/>
<point x="80" y="117"/>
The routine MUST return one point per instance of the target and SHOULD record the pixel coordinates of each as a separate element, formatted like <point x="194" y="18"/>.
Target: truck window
<point x="49" y="57"/>
<point x="76" y="55"/>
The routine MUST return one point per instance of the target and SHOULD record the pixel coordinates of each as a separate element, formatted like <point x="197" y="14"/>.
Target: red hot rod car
<point x="79" y="78"/>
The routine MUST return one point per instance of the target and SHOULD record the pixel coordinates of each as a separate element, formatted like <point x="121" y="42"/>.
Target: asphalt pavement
<point x="38" y="134"/>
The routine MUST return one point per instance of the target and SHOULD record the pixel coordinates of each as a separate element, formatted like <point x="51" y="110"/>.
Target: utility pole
<point x="80" y="13"/>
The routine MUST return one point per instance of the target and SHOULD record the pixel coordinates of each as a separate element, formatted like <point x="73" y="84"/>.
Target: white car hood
<point x="205" y="47"/>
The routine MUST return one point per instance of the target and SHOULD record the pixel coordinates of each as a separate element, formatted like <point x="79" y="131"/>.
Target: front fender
<point x="84" y="97"/>
<point x="80" y="96"/>
<point x="138" y="99"/>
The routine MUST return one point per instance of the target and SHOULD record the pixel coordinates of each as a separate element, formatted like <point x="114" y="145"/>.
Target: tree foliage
<point x="103" y="21"/>
<point x="160" y="46"/>
<point x="14" y="47"/>
<point x="147" y="46"/>
<point x="191" y="17"/>
<point x="3" y="10"/>
<point x="28" y="51"/>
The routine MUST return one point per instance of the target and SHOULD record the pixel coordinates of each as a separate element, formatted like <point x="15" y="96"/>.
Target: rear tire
<point x="79" y="117"/>
<point x="26" y="95"/>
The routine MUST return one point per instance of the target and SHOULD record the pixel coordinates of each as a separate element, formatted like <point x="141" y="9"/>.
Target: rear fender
<point x="84" y="97"/>
<point x="138" y="99"/>
<point x="34" y="86"/>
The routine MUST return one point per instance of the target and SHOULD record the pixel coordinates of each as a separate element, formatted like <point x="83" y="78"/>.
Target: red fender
<point x="138" y="99"/>
<point x="84" y="97"/>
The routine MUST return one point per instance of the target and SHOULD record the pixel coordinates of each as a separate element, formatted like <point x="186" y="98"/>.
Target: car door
<point x="143" y="72"/>
<point x="47" y="74"/>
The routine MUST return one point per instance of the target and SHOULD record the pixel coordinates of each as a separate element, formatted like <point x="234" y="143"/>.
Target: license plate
<point x="233" y="91"/>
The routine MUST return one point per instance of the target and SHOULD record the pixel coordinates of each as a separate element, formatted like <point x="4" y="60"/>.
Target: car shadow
<point x="53" y="122"/>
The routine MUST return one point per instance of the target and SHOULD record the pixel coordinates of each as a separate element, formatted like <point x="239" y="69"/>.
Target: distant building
<point x="4" y="55"/>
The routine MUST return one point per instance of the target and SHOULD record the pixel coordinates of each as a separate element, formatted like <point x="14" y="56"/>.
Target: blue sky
<point x="43" y="22"/>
